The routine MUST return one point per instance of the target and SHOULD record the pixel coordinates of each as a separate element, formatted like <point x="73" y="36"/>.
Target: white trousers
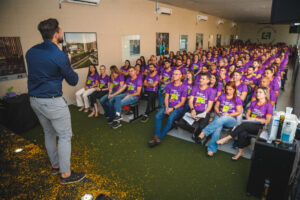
<point x="82" y="97"/>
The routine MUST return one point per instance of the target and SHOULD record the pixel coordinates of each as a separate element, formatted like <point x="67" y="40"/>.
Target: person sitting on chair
<point x="175" y="96"/>
<point x="260" y="113"/>
<point x="151" y="86"/>
<point x="90" y="86"/>
<point x="227" y="108"/>
<point x="100" y="91"/>
<point x="134" y="87"/>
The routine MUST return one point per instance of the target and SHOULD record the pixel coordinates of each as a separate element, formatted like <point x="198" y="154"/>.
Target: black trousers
<point x="96" y="95"/>
<point x="197" y="126"/>
<point x="150" y="97"/>
<point x="243" y="131"/>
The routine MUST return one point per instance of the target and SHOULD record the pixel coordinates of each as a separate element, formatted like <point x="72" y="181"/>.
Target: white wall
<point x="279" y="33"/>
<point x="111" y="19"/>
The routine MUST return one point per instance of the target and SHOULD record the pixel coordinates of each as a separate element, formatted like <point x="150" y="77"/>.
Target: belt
<point x="45" y="97"/>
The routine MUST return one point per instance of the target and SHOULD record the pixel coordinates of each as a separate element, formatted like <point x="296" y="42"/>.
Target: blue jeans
<point x="107" y="105"/>
<point x="161" y="90"/>
<point x="158" y="118"/>
<point x="120" y="101"/>
<point x="215" y="128"/>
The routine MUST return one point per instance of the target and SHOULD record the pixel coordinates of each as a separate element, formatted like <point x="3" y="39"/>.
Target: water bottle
<point x="286" y="132"/>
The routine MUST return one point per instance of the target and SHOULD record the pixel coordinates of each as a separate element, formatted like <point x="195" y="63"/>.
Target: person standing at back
<point x="48" y="66"/>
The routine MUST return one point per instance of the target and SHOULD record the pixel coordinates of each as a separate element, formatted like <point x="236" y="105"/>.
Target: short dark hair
<point x="48" y="27"/>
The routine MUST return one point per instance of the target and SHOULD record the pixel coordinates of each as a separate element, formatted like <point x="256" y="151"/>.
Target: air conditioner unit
<point x="163" y="10"/>
<point x="220" y="21"/>
<point x="202" y="17"/>
<point x="87" y="2"/>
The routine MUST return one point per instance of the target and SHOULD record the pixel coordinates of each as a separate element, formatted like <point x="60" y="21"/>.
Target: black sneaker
<point x="73" y="178"/>
<point x="153" y="142"/>
<point x="116" y="124"/>
<point x="55" y="171"/>
<point x="129" y="112"/>
<point x="118" y="118"/>
<point x="110" y="121"/>
<point x="145" y="118"/>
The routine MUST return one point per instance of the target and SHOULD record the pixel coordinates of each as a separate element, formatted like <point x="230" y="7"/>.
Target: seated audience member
<point x="138" y="71"/>
<point x="260" y="112"/>
<point x="249" y="79"/>
<point x="230" y="71"/>
<point x="134" y="86"/>
<point x="189" y="82"/>
<point x="196" y="64"/>
<point x="181" y="68"/>
<point x="124" y="69"/>
<point x="241" y="88"/>
<point x="274" y="81"/>
<point x="151" y="87"/>
<point x="165" y="79"/>
<point x="264" y="82"/>
<point x="90" y="86"/>
<point x="100" y="91"/>
<point x="227" y="108"/>
<point x="116" y="81"/>
<point x="175" y="96"/>
<point x="214" y="85"/>
<point x="201" y="100"/>
<point x="258" y="71"/>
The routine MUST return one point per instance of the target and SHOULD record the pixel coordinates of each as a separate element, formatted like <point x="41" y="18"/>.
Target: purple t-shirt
<point x="103" y="82"/>
<point x="246" y="79"/>
<point x="201" y="97"/>
<point x="91" y="80"/>
<point x="152" y="79"/>
<point x="241" y="88"/>
<point x="195" y="67"/>
<point x="166" y="76"/>
<point x="124" y="69"/>
<point x="175" y="93"/>
<point x="273" y="95"/>
<point x="229" y="105"/>
<point x="181" y="69"/>
<point x="115" y="84"/>
<point x="274" y="84"/>
<point x="132" y="85"/>
<point x="189" y="86"/>
<point x="260" y="111"/>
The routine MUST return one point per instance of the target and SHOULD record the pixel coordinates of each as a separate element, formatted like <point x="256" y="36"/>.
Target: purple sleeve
<point x="127" y="81"/>
<point x="121" y="78"/>
<point x="252" y="105"/>
<point x="184" y="92"/>
<point x="157" y="78"/>
<point x="273" y="96"/>
<point x="219" y="88"/>
<point x="109" y="80"/>
<point x="245" y="88"/>
<point x="220" y="98"/>
<point x="269" y="109"/>
<point x="139" y="82"/>
<point x="212" y="95"/>
<point x="167" y="90"/>
<point x="238" y="101"/>
<point x="194" y="90"/>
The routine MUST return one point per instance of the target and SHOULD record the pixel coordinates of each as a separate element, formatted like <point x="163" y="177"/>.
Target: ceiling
<point x="258" y="11"/>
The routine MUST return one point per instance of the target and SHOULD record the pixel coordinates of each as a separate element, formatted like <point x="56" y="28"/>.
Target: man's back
<point x="47" y="67"/>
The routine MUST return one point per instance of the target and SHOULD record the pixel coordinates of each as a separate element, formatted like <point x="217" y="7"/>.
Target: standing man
<point x="48" y="66"/>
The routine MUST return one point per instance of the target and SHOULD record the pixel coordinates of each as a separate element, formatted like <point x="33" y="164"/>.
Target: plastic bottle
<point x="286" y="132"/>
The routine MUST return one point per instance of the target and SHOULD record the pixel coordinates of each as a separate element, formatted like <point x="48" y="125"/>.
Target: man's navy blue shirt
<point x="47" y="67"/>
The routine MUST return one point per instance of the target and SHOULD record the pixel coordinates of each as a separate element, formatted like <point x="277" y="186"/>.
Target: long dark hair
<point x="114" y="70"/>
<point x="96" y="71"/>
<point x="193" y="76"/>
<point x="143" y="61"/>
<point x="217" y="78"/>
<point x="231" y="84"/>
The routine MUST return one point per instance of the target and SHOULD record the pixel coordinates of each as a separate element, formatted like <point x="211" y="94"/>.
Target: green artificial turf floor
<point x="176" y="169"/>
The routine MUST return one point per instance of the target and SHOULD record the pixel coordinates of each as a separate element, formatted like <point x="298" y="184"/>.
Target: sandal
<point x="91" y="114"/>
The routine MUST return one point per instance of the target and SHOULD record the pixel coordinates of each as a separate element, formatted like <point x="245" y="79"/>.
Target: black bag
<point x="17" y="114"/>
